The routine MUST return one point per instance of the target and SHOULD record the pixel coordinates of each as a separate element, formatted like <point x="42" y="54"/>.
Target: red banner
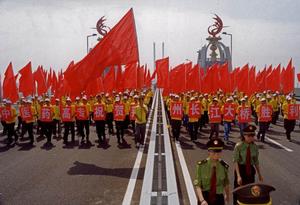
<point x="99" y="112"/>
<point x="119" y="112"/>
<point x="293" y="111"/>
<point x="26" y="113"/>
<point x="265" y="113"/>
<point x="176" y="110"/>
<point x="229" y="111"/>
<point x="81" y="112"/>
<point x="46" y="114"/>
<point x="214" y="114"/>
<point x="66" y="114"/>
<point x="132" y="112"/>
<point x="194" y="110"/>
<point x="6" y="114"/>
<point x="244" y="115"/>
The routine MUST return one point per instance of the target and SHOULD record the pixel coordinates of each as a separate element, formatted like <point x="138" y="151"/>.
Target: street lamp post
<point x="87" y="41"/>
<point x="229" y="34"/>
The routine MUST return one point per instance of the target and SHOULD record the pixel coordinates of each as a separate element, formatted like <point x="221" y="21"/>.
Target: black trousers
<point x="263" y="127"/>
<point x="84" y="125"/>
<point x="176" y="125"/>
<point x="4" y="127"/>
<point x="289" y="126"/>
<point x="218" y="201"/>
<point x="140" y="133"/>
<point x="132" y="122"/>
<point x="205" y="117"/>
<point x="275" y="115"/>
<point x="100" y="129"/>
<point x="193" y="129"/>
<point x="126" y="122"/>
<point x="47" y="130"/>
<point x="109" y="122"/>
<point x="245" y="179"/>
<point x="69" y="126"/>
<point x="56" y="127"/>
<point x="120" y="130"/>
<point x="28" y="127"/>
<point x="11" y="132"/>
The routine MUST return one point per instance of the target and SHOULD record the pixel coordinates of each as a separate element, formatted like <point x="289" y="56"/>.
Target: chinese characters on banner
<point x="176" y="110"/>
<point x="99" y="113"/>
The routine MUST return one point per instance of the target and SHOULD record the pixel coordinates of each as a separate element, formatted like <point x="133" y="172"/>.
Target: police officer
<point x="245" y="159"/>
<point x="212" y="182"/>
<point x="254" y="194"/>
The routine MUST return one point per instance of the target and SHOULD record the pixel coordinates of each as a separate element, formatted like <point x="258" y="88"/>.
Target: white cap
<point x="68" y="99"/>
<point x="125" y="97"/>
<point x="57" y="100"/>
<point x="263" y="99"/>
<point x="8" y="102"/>
<point x="77" y="98"/>
<point x="136" y="97"/>
<point x="269" y="96"/>
<point x="117" y="99"/>
<point x="228" y="99"/>
<point x="29" y="101"/>
<point x="84" y="97"/>
<point x="215" y="99"/>
<point x="243" y="99"/>
<point x="288" y="97"/>
<point x="193" y="98"/>
<point x="47" y="100"/>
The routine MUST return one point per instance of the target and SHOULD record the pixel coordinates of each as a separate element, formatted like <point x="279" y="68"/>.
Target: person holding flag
<point x="119" y="117"/>
<point x="141" y="111"/>
<point x="9" y="115"/>
<point x="68" y="118"/>
<point x="99" y="110"/>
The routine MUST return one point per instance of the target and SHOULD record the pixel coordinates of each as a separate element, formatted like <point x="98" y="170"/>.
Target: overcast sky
<point x="52" y="33"/>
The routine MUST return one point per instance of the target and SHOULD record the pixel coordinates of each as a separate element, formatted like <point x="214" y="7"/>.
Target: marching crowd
<point x="48" y="116"/>
<point x="195" y="111"/>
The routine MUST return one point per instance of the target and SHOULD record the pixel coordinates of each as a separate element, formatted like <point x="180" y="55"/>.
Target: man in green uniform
<point x="245" y="159"/>
<point x="254" y="194"/>
<point x="212" y="182"/>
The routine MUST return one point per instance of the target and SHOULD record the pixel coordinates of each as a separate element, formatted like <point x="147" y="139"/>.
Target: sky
<point x="53" y="33"/>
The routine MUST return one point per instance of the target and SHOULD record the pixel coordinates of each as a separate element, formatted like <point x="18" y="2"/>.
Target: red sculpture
<point x="216" y="27"/>
<point x="100" y="26"/>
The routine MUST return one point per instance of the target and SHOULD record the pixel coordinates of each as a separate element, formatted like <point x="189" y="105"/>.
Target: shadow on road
<point x="80" y="168"/>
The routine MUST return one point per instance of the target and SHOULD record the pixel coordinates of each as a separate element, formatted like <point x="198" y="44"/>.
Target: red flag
<point x="9" y="84"/>
<point x="41" y="83"/>
<point x="252" y="88"/>
<point x="224" y="78"/>
<point x="119" y="80"/>
<point x="95" y="87"/>
<point x="243" y="78"/>
<point x="288" y="79"/>
<point x="130" y="76"/>
<point x="109" y="80"/>
<point x="162" y="68"/>
<point x="273" y="80"/>
<point x="298" y="76"/>
<point x="49" y="78"/>
<point x="177" y="79"/>
<point x="193" y="79"/>
<point x="140" y="77"/>
<point x="118" y="47"/>
<point x="26" y="81"/>
<point x="148" y="79"/>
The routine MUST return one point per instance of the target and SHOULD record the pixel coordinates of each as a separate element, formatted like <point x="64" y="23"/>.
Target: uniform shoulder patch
<point x="202" y="162"/>
<point x="224" y="164"/>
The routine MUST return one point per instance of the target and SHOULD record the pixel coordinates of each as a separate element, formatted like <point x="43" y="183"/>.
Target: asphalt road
<point x="100" y="175"/>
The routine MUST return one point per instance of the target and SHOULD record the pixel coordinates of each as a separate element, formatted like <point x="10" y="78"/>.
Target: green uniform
<point x="240" y="153"/>
<point x="203" y="175"/>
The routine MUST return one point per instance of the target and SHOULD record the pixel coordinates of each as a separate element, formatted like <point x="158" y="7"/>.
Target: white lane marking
<point x="135" y="170"/>
<point x="170" y="168"/>
<point x="187" y="178"/>
<point x="146" y="192"/>
<point x="280" y="145"/>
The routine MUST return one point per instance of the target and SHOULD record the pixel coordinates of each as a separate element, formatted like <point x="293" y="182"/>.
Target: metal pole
<point x="154" y="57"/>
<point x="87" y="44"/>
<point x="231" y="49"/>
<point x="163" y="50"/>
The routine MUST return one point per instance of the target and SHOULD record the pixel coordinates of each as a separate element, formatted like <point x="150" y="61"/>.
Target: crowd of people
<point x="49" y="117"/>
<point x="194" y="111"/>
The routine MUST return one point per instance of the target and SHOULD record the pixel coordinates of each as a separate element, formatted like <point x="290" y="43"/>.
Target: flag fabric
<point x="162" y="69"/>
<point x="119" y="80"/>
<point x="118" y="47"/>
<point x="39" y="77"/>
<point x="298" y="76"/>
<point x="193" y="79"/>
<point x="109" y="80"/>
<point x="9" y="84"/>
<point x="130" y="76"/>
<point x="288" y="79"/>
<point x="26" y="81"/>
